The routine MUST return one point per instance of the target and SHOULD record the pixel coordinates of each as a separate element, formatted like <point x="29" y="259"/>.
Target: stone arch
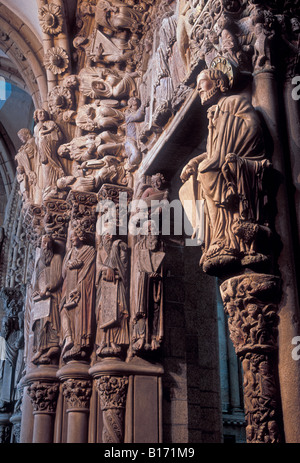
<point x="25" y="51"/>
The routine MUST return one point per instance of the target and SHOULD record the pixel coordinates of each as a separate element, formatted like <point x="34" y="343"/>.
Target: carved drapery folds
<point x="112" y="392"/>
<point x="230" y="184"/>
<point x="97" y="289"/>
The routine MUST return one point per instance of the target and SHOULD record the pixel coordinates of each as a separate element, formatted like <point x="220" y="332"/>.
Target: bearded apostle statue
<point x="227" y="182"/>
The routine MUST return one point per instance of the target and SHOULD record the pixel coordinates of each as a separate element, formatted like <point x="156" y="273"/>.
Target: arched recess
<point x="25" y="50"/>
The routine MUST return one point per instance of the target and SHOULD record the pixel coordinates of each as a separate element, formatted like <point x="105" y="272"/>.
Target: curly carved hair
<point x="218" y="76"/>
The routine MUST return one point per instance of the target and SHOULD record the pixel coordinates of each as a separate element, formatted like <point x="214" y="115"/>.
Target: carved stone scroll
<point x="250" y="302"/>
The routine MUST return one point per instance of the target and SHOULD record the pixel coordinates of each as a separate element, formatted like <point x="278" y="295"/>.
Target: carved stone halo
<point x="222" y="64"/>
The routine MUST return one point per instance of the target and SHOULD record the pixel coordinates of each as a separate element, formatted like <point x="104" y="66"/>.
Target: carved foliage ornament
<point x="77" y="393"/>
<point x="60" y="99"/>
<point x="112" y="391"/>
<point x="43" y="396"/>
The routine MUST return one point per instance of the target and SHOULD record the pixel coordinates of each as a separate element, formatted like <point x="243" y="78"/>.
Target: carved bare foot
<point x="100" y="348"/>
<point x="68" y="345"/>
<point x="116" y="348"/>
<point x="36" y="357"/>
<point x="155" y="344"/>
<point x="46" y="358"/>
<point x="139" y="344"/>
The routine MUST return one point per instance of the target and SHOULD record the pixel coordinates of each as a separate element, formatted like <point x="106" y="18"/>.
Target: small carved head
<point x="158" y="181"/>
<point x="24" y="135"/>
<point x="40" y="115"/>
<point x="210" y="84"/>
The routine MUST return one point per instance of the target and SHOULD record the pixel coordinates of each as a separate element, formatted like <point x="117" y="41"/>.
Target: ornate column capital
<point x="77" y="393"/>
<point x="43" y="396"/>
<point x="112" y="391"/>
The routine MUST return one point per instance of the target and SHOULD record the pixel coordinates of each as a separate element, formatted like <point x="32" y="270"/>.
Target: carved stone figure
<point x="48" y="137"/>
<point x="9" y="332"/>
<point x="115" y="15"/>
<point x="112" y="311"/>
<point x="28" y="166"/>
<point x="46" y="296"/>
<point x="230" y="176"/>
<point x="147" y="312"/>
<point x="133" y="114"/>
<point x="99" y="83"/>
<point x="76" y="309"/>
<point x="109" y="169"/>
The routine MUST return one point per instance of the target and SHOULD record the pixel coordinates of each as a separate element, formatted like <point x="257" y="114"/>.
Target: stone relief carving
<point x="56" y="60"/>
<point x="77" y="393"/>
<point x="76" y="308"/>
<point x="112" y="305"/>
<point x="46" y="297"/>
<point x="112" y="392"/>
<point x="147" y="304"/>
<point x="135" y="64"/>
<point x="28" y="168"/>
<point x="251" y="304"/>
<point x="43" y="396"/>
<point x="48" y="137"/>
<point x="51" y="20"/>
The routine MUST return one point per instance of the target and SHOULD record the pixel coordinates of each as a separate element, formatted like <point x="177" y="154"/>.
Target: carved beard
<point x="47" y="256"/>
<point x="206" y="97"/>
<point x="151" y="242"/>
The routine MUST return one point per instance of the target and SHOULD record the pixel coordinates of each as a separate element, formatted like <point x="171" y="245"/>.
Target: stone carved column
<point x="77" y="391"/>
<point x="112" y="391"/>
<point x="250" y="302"/>
<point x="43" y="395"/>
